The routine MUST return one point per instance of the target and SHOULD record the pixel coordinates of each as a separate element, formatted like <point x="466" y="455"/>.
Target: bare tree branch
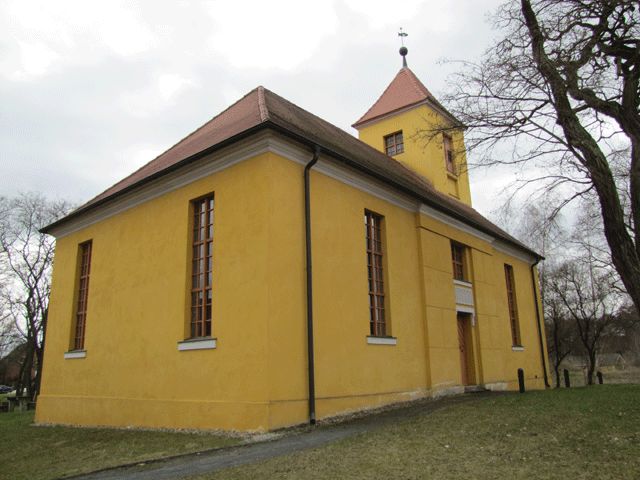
<point x="26" y="256"/>
<point x="559" y="93"/>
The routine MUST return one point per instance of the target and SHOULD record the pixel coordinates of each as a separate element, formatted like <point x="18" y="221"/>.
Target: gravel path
<point x="292" y="441"/>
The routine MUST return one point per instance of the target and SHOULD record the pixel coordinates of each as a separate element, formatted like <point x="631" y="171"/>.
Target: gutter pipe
<point x="536" y="301"/>
<point x="307" y="224"/>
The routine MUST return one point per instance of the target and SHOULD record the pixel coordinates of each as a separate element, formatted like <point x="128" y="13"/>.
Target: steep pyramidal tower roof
<point x="406" y="90"/>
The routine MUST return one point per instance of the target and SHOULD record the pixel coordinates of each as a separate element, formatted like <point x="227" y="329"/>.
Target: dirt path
<point x="293" y="441"/>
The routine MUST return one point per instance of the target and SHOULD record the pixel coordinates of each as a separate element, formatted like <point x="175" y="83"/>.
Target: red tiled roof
<point x="404" y="91"/>
<point x="242" y="115"/>
<point x="262" y="108"/>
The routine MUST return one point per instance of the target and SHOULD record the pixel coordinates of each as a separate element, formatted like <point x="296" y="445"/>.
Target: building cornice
<point x="268" y="141"/>
<point x="201" y="168"/>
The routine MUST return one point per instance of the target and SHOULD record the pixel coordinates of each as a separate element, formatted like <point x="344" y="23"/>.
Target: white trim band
<point x="382" y="340"/>
<point x="75" y="354"/>
<point x="517" y="349"/>
<point x="365" y="184"/>
<point x="200" y="344"/>
<point x="196" y="170"/>
<point x="264" y="142"/>
<point x="507" y="249"/>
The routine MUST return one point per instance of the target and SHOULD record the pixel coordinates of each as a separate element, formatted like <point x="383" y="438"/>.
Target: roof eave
<point x="301" y="139"/>
<point x="382" y="178"/>
<point x="456" y="123"/>
<point x="176" y="166"/>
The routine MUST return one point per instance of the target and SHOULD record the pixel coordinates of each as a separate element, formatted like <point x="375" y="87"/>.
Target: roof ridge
<point x="378" y="99"/>
<point x="262" y="106"/>
<point x="415" y="93"/>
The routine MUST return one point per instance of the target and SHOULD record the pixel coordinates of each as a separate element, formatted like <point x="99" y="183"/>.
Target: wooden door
<point x="462" y="341"/>
<point x="465" y="340"/>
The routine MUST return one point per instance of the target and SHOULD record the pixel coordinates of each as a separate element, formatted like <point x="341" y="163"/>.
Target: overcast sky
<point x="92" y="90"/>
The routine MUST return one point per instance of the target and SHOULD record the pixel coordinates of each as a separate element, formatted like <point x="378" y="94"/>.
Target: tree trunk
<point x="27" y="371"/>
<point x="591" y="368"/>
<point x="556" y="368"/>
<point x="623" y="249"/>
<point x="40" y="354"/>
<point x="19" y="383"/>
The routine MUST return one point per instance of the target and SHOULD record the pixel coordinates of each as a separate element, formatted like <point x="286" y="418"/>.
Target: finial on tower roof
<point x="403" y="50"/>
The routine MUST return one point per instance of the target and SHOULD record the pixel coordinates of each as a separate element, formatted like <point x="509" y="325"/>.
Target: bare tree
<point x="560" y="331"/>
<point x="586" y="295"/>
<point x="559" y="96"/>
<point x="7" y="326"/>
<point x="539" y="224"/>
<point x="26" y="257"/>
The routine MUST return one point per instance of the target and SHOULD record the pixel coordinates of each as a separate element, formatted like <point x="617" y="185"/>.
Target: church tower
<point x="401" y="124"/>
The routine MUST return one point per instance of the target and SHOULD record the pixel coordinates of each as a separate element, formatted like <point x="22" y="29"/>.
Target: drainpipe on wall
<point x="536" y="301"/>
<point x="307" y="224"/>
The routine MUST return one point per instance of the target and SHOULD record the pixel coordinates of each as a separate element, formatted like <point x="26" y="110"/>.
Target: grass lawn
<point x="577" y="376"/>
<point x="582" y="433"/>
<point x="38" y="453"/>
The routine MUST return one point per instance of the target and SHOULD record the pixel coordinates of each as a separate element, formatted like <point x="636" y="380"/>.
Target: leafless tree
<point x="586" y="295"/>
<point x="559" y="97"/>
<point x="8" y="332"/>
<point x="542" y="227"/>
<point x="560" y="331"/>
<point x="26" y="256"/>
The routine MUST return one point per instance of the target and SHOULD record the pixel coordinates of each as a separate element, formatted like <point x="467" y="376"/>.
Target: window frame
<point x="374" y="238"/>
<point x="512" y="306"/>
<point x="396" y="147"/>
<point x="459" y="265"/>
<point x="200" y="297"/>
<point x="449" y="154"/>
<point x="83" y="276"/>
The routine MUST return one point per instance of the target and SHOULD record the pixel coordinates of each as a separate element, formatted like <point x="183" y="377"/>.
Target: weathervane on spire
<point x="403" y="50"/>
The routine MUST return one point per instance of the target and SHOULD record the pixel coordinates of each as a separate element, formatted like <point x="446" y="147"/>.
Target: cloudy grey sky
<point x="91" y="90"/>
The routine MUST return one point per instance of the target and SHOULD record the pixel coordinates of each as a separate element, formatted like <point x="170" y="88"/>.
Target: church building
<point x="271" y="269"/>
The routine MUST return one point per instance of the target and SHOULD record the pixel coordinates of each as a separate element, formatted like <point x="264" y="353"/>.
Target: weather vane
<point x="403" y="50"/>
<point x="402" y="34"/>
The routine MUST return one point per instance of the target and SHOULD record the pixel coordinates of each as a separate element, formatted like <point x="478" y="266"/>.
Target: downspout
<point x="536" y="301"/>
<point x="307" y="224"/>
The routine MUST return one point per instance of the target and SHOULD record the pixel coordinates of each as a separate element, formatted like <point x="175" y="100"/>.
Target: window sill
<point x="462" y="283"/>
<point x="203" y="343"/>
<point x="382" y="340"/>
<point x="75" y="354"/>
<point x="452" y="176"/>
<point x="517" y="348"/>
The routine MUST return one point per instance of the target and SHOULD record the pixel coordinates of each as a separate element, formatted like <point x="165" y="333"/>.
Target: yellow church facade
<point x="271" y="269"/>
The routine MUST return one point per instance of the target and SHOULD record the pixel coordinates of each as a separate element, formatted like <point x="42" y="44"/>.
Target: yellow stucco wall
<point x="495" y="360"/>
<point x="350" y="372"/>
<point x="424" y="156"/>
<point x="256" y="378"/>
<point x="133" y="373"/>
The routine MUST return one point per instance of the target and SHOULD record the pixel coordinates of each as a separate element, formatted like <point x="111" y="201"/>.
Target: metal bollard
<point x="567" y="381"/>
<point x="521" y="380"/>
<point x="599" y="375"/>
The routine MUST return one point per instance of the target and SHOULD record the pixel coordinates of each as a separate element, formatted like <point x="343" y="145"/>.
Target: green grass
<point x="612" y="375"/>
<point x="39" y="453"/>
<point x="582" y="433"/>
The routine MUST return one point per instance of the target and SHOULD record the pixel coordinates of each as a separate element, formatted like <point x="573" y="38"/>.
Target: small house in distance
<point x="270" y="269"/>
